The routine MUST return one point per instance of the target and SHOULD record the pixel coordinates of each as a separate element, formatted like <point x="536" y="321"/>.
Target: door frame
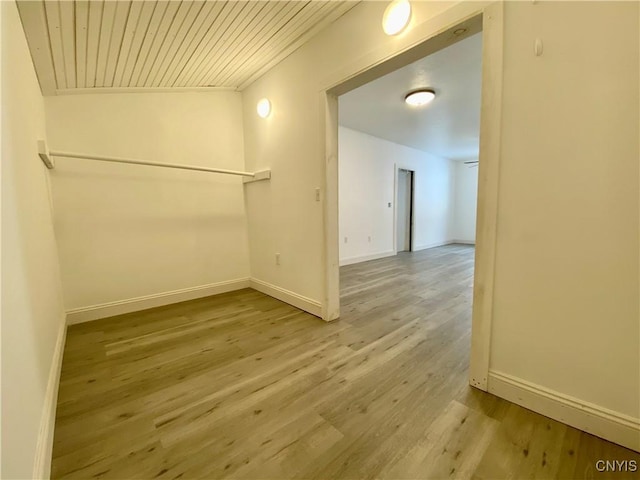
<point x="423" y="39"/>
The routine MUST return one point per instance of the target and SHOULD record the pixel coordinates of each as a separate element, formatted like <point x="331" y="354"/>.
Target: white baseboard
<point x="303" y="303"/>
<point x="432" y="245"/>
<point x="94" y="312"/>
<point x="44" y="447"/>
<point x="602" y="422"/>
<point x="366" y="258"/>
<point x="464" y="242"/>
<point x="390" y="253"/>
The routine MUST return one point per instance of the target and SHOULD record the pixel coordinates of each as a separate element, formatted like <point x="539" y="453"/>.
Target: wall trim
<point x="594" y="419"/>
<point x="44" y="445"/>
<point x="391" y="253"/>
<point x="95" y="312"/>
<point x="366" y="258"/>
<point x="464" y="242"/>
<point x="309" y="305"/>
<point x="488" y="193"/>
<point x="104" y="310"/>
<point x="417" y="248"/>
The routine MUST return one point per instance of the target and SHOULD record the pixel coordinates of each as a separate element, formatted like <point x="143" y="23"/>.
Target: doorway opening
<point x="413" y="264"/>
<point x="459" y="24"/>
<point x="404" y="210"/>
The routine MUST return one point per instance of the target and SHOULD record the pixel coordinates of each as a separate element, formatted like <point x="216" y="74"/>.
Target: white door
<point x="403" y="225"/>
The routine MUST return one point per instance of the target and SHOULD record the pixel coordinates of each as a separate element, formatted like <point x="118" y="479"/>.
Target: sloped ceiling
<point x="166" y="44"/>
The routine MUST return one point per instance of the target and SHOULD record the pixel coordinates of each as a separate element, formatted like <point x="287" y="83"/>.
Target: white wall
<point x="127" y="231"/>
<point x="366" y="188"/>
<point x="32" y="309"/>
<point x="366" y="181"/>
<point x="465" y="203"/>
<point x="566" y="279"/>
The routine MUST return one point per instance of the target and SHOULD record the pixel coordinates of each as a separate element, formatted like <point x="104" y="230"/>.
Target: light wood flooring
<point x="242" y="385"/>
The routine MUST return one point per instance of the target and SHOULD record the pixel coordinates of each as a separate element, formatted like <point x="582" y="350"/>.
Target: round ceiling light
<point x="264" y="108"/>
<point x="396" y="17"/>
<point x="420" y="97"/>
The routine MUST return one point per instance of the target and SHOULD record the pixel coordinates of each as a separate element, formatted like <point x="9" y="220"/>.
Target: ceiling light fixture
<point x="396" y="17"/>
<point x="264" y="108"/>
<point x="420" y="97"/>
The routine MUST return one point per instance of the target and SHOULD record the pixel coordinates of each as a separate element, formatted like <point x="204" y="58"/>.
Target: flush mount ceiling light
<point x="420" y="97"/>
<point x="396" y="17"/>
<point x="264" y="108"/>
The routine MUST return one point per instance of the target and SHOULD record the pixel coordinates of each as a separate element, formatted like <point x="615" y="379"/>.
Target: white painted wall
<point x="127" y="231"/>
<point x="566" y="279"/>
<point x="32" y="308"/>
<point x="465" y="203"/>
<point x="366" y="188"/>
<point x="366" y="182"/>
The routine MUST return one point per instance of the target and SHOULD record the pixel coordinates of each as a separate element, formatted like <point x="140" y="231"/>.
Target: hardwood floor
<point x="242" y="385"/>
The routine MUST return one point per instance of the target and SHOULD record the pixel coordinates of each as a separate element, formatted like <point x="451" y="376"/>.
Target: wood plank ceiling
<point x="166" y="44"/>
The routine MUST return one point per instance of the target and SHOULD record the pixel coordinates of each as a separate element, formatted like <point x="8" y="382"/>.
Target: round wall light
<point x="396" y="17"/>
<point x="420" y="97"/>
<point x="264" y="108"/>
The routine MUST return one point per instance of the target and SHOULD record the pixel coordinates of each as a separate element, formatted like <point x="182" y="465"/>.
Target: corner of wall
<point x="44" y="447"/>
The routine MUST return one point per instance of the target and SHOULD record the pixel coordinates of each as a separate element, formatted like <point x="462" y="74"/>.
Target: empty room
<point x="234" y="245"/>
<point x="408" y="158"/>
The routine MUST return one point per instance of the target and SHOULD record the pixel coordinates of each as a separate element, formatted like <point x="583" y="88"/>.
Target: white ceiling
<point x="448" y="127"/>
<point x="166" y="44"/>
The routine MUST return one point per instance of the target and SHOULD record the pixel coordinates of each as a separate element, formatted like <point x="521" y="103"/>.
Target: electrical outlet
<point x="317" y="194"/>
<point x="346" y="239"/>
<point x="369" y="239"/>
<point x="389" y="204"/>
<point x="277" y="259"/>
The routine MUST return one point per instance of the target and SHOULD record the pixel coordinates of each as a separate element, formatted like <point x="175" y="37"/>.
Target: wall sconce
<point x="264" y="108"/>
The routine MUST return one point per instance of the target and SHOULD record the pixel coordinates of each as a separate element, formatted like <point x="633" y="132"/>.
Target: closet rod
<point x="85" y="156"/>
